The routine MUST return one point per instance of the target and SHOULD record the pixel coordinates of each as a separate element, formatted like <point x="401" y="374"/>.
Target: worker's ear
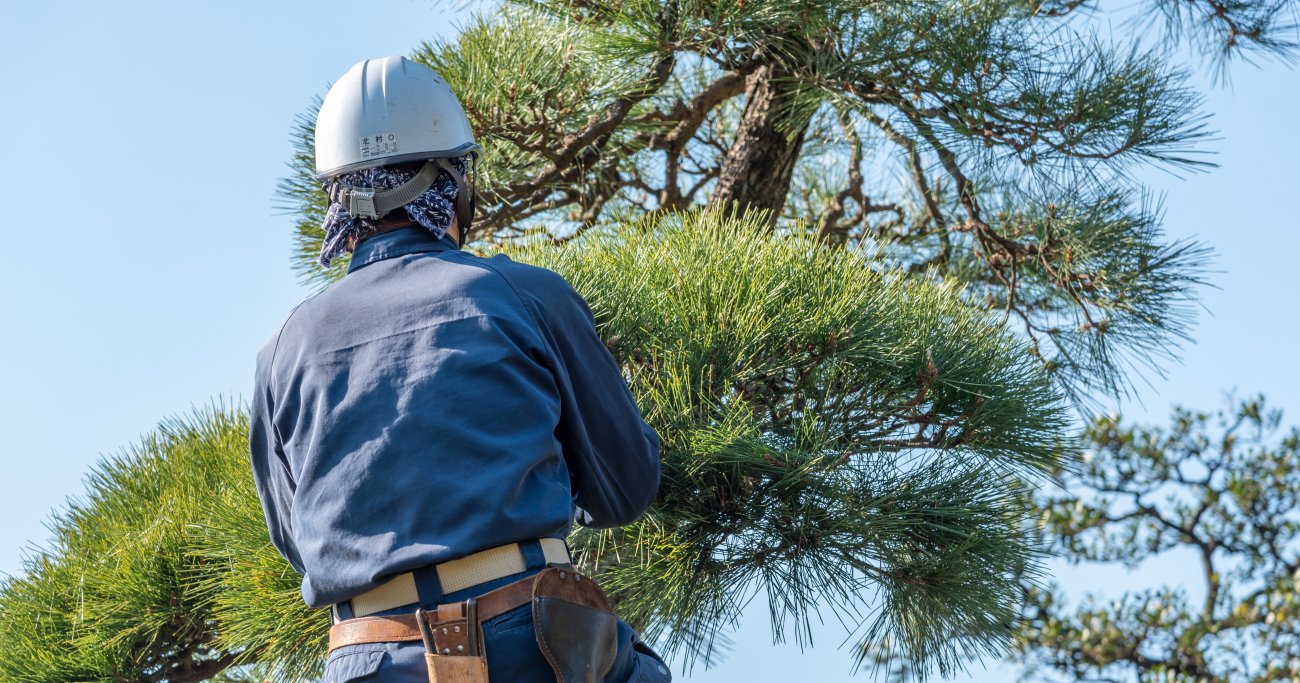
<point x="454" y="231"/>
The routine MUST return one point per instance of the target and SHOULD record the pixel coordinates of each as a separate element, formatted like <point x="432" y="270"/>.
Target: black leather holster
<point x="577" y="630"/>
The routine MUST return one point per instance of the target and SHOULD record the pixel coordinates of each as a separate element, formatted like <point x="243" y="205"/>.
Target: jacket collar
<point x="412" y="240"/>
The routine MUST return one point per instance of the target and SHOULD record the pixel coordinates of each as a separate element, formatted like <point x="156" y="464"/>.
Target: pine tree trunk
<point x="757" y="171"/>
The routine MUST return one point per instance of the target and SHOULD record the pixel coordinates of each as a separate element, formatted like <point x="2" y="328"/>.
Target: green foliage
<point x="300" y="194"/>
<point x="556" y="79"/>
<point x="162" y="572"/>
<point x="827" y="429"/>
<point x="1223" y="488"/>
<point x="1095" y="284"/>
<point x="113" y="598"/>
<point x="254" y="595"/>
<point x="1223" y="30"/>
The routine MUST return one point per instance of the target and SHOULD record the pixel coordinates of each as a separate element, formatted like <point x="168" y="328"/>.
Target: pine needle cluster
<point x="836" y="439"/>
<point x="114" y="597"/>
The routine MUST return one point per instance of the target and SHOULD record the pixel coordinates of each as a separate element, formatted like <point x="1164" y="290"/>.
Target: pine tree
<point x="804" y="228"/>
<point x="1223" y="488"/>
<point x="988" y="141"/>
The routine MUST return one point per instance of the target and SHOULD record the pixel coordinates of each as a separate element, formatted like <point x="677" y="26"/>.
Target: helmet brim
<point x="467" y="148"/>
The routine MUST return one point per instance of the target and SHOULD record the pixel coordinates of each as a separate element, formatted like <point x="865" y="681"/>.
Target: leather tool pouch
<point x="576" y="627"/>
<point x="454" y="669"/>
<point x="453" y="648"/>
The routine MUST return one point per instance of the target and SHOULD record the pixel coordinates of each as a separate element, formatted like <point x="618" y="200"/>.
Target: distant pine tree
<point x="1222" y="489"/>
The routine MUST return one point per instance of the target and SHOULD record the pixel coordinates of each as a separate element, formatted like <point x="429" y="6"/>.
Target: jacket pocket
<point x="352" y="662"/>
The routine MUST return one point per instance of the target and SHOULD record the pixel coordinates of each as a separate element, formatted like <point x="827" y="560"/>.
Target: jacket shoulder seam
<point x="532" y="315"/>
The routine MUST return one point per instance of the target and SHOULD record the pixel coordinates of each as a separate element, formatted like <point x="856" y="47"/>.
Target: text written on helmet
<point x="375" y="145"/>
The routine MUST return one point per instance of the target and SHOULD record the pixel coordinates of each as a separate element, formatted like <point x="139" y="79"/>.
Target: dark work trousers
<point x="509" y="641"/>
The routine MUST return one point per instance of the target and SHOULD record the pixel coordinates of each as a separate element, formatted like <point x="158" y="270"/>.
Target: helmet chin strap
<point x="365" y="202"/>
<point x="464" y="198"/>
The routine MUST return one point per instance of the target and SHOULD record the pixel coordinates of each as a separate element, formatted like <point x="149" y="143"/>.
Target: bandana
<point x="434" y="209"/>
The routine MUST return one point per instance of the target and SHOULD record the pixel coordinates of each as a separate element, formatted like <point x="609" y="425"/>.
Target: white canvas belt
<point x="459" y="574"/>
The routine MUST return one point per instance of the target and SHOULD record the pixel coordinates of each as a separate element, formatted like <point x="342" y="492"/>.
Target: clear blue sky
<point x="145" y="266"/>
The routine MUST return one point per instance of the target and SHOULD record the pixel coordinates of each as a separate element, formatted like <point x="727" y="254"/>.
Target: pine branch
<point x="1217" y="485"/>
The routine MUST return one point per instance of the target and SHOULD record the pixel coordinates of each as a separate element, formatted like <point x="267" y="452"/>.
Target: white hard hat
<point x="389" y="111"/>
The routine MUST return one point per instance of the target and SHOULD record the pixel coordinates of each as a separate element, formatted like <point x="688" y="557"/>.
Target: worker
<point x="426" y="429"/>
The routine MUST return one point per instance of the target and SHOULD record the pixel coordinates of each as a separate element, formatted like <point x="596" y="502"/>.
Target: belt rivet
<point x="444" y="630"/>
<point x="561" y="575"/>
<point x="456" y="629"/>
<point x="460" y="648"/>
<point x="446" y="650"/>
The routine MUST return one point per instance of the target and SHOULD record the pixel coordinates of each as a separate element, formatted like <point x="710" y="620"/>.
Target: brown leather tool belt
<point x="574" y="621"/>
<point x="450" y="623"/>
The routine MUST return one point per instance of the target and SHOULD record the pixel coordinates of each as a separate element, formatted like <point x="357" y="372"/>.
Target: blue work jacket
<point x="431" y="404"/>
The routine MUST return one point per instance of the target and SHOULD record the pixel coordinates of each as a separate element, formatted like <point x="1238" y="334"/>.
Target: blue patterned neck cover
<point x="434" y="209"/>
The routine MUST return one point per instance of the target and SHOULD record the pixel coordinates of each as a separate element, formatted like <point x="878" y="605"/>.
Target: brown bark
<point x="759" y="166"/>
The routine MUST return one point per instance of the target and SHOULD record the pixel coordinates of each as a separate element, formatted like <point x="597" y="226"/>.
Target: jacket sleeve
<point x="611" y="453"/>
<point x="275" y="485"/>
